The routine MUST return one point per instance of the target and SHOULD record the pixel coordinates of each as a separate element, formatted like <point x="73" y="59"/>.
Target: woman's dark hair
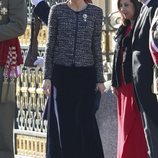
<point x="137" y="6"/>
<point x="88" y="1"/>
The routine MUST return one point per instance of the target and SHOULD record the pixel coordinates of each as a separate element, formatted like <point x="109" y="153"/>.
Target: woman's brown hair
<point x="137" y="6"/>
<point x="88" y="1"/>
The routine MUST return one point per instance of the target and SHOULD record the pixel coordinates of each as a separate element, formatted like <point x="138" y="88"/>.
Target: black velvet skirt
<point x="72" y="127"/>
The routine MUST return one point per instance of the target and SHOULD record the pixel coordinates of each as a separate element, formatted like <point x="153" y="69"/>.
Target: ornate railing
<point x="30" y="128"/>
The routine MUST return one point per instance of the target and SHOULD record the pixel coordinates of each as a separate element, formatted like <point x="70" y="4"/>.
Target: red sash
<point x="10" y="57"/>
<point x="4" y="50"/>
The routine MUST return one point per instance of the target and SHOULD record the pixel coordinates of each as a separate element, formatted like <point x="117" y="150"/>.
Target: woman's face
<point x="127" y="9"/>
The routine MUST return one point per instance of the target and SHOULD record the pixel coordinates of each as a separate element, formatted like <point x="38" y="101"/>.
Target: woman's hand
<point x="46" y="87"/>
<point x="114" y="90"/>
<point x="100" y="87"/>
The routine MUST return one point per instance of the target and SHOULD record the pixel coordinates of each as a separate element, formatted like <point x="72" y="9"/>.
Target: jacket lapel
<point x="138" y="23"/>
<point x="142" y="19"/>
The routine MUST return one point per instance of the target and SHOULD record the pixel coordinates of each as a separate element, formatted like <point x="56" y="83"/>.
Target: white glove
<point x="39" y="62"/>
<point x="35" y="2"/>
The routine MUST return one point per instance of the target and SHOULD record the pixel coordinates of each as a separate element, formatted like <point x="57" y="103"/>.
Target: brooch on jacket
<point x="3" y="10"/>
<point x="85" y="17"/>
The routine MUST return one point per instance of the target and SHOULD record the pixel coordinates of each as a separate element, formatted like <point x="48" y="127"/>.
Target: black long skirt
<point x="72" y="127"/>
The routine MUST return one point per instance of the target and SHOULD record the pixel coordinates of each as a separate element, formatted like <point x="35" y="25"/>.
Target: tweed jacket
<point x="12" y="18"/>
<point x="74" y="39"/>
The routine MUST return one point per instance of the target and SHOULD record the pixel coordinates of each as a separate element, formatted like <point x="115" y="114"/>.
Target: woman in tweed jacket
<point x="72" y="75"/>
